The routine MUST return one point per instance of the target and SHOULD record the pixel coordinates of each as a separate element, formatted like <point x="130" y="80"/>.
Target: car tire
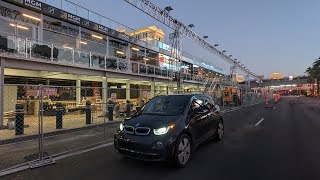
<point x="182" y="151"/>
<point x="220" y="131"/>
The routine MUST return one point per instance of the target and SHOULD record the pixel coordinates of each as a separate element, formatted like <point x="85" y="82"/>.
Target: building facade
<point x="42" y="44"/>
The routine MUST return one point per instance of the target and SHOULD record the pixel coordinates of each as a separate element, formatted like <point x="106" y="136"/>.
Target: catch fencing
<point x="41" y="121"/>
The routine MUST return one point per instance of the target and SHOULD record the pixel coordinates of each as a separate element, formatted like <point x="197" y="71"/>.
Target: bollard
<point x="110" y="110"/>
<point x="19" y="119"/>
<point x="59" y="112"/>
<point x="88" y="112"/>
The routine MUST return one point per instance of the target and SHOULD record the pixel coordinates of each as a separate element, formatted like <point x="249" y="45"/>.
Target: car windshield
<point x="166" y="105"/>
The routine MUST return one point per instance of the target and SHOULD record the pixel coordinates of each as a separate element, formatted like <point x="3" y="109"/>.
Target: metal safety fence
<point x="42" y="121"/>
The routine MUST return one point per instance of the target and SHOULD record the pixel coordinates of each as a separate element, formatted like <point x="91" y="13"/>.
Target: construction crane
<point x="163" y="16"/>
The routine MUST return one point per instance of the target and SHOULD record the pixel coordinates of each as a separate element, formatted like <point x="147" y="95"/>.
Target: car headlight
<point x="163" y="130"/>
<point x="121" y="127"/>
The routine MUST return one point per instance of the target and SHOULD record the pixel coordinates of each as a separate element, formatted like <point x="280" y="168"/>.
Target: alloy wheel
<point x="220" y="130"/>
<point x="184" y="151"/>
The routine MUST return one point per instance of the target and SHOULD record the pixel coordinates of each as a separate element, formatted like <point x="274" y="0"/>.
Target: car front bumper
<point x="147" y="148"/>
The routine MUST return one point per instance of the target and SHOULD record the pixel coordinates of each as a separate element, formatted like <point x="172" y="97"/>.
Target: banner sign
<point x="45" y="92"/>
<point x="74" y="19"/>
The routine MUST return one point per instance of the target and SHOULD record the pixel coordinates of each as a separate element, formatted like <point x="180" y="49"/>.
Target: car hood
<point x="152" y="121"/>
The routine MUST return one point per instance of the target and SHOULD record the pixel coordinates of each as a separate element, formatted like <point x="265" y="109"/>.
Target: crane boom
<point x="165" y="18"/>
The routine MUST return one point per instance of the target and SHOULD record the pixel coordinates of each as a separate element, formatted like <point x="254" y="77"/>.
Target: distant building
<point x="276" y="76"/>
<point x="148" y="34"/>
<point x="240" y="79"/>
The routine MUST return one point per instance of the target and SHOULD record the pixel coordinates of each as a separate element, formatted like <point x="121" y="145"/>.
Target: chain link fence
<point x="42" y="121"/>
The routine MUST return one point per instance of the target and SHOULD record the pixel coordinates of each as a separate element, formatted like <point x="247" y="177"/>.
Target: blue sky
<point x="266" y="35"/>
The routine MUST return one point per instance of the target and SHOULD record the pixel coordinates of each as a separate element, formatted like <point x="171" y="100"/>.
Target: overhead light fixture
<point x="96" y="36"/>
<point x="31" y="17"/>
<point x="120" y="52"/>
<point x="67" y="47"/>
<point x="135" y="49"/>
<point x="18" y="26"/>
<point x="82" y="42"/>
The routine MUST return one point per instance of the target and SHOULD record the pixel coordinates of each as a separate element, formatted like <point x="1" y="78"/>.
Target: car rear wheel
<point x="220" y="131"/>
<point x="182" y="152"/>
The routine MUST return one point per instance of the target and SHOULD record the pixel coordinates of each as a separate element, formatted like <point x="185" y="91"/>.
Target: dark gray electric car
<point x="170" y="128"/>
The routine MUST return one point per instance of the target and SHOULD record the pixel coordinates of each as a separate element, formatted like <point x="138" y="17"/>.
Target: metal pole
<point x="26" y="48"/>
<point x="41" y="121"/>
<point x="52" y="52"/>
<point x="2" y="90"/>
<point x="39" y="126"/>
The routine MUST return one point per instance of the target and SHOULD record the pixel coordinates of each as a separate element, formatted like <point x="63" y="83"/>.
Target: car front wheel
<point x="182" y="152"/>
<point x="220" y="131"/>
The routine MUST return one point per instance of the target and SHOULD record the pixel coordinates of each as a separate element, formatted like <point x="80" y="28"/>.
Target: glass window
<point x="137" y="54"/>
<point x="94" y="42"/>
<point x="61" y="27"/>
<point x="118" y="48"/>
<point x="19" y="14"/>
<point x="25" y="30"/>
<point x="58" y="38"/>
<point x="5" y="27"/>
<point x="152" y="57"/>
<point x="166" y="105"/>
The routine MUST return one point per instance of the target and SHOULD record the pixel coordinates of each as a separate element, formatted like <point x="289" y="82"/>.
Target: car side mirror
<point x="198" y="110"/>
<point x="216" y="108"/>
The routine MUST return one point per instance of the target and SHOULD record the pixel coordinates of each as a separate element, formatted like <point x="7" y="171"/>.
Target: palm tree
<point x="311" y="77"/>
<point x="314" y="74"/>
<point x="316" y="68"/>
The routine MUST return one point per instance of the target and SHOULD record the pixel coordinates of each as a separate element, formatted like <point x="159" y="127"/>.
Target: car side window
<point x="199" y="103"/>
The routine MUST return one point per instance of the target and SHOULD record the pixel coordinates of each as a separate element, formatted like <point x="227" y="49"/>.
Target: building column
<point x="157" y="89"/>
<point x="128" y="90"/>
<point x="152" y="88"/>
<point x="2" y="90"/>
<point x="78" y="91"/>
<point x="104" y="90"/>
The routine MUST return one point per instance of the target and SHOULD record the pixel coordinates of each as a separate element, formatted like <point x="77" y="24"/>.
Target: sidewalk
<point x="15" y="153"/>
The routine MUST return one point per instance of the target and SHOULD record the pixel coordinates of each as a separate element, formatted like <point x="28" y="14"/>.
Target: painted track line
<point x="257" y="124"/>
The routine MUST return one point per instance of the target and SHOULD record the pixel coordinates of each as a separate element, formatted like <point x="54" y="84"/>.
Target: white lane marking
<point x="14" y="170"/>
<point x="257" y="124"/>
<point x="81" y="152"/>
<point x="275" y="108"/>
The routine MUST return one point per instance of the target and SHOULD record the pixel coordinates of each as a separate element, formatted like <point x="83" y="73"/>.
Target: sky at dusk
<point x="266" y="35"/>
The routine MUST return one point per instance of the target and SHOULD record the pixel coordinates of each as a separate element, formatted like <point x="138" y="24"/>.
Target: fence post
<point x="40" y="122"/>
<point x="2" y="60"/>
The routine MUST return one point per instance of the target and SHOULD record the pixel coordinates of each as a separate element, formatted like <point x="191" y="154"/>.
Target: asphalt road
<point x="259" y="144"/>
